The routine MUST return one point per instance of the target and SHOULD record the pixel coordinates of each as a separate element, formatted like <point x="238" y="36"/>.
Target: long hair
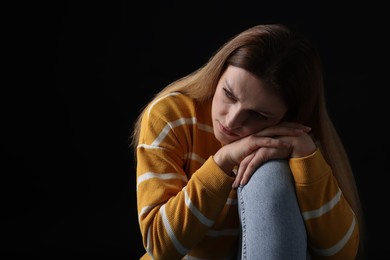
<point x="287" y="62"/>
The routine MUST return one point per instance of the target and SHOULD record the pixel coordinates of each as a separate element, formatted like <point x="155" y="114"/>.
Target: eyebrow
<point x="229" y="88"/>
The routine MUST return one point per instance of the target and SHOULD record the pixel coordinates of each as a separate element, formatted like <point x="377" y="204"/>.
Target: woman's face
<point x="243" y="105"/>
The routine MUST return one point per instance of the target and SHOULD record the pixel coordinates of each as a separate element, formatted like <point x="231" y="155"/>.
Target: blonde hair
<point x="289" y="64"/>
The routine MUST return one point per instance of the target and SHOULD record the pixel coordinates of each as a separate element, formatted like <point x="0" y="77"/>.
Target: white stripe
<point x="194" y="157"/>
<point x="148" y="245"/>
<point x="337" y="247"/>
<point x="161" y="176"/>
<point x="158" y="100"/>
<point x="171" y="125"/>
<point x="195" y="211"/>
<point x="179" y="247"/>
<point x="206" y="128"/>
<point x="162" y="135"/>
<point x="324" y="209"/>
<point x="224" y="232"/>
<point x="145" y="210"/>
<point x="147" y="146"/>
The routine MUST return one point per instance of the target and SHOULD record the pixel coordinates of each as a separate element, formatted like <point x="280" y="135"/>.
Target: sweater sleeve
<point x="331" y="224"/>
<point x="175" y="210"/>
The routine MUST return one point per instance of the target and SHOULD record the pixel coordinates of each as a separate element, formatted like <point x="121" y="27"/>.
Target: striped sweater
<point x="187" y="208"/>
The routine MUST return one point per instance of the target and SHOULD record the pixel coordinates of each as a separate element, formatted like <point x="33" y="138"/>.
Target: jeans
<point x="271" y="223"/>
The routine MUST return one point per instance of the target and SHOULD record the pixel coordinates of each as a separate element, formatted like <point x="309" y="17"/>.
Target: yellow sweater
<point x="187" y="208"/>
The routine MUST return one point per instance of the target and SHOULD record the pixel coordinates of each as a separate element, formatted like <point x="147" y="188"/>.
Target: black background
<point x="76" y="74"/>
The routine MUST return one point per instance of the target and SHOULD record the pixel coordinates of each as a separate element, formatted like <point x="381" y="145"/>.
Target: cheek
<point x="218" y="107"/>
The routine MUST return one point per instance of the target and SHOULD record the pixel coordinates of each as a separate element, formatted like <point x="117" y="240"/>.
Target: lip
<point x="225" y="131"/>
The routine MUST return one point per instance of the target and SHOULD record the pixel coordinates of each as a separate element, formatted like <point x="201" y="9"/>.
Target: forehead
<point x="251" y="91"/>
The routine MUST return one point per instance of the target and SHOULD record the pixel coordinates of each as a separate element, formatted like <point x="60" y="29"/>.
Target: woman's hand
<point x="234" y="153"/>
<point x="296" y="135"/>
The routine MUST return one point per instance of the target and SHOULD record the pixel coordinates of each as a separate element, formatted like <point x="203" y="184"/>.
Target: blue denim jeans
<point x="272" y="224"/>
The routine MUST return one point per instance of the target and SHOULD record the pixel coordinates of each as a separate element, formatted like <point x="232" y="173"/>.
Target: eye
<point x="259" y="115"/>
<point x="228" y="94"/>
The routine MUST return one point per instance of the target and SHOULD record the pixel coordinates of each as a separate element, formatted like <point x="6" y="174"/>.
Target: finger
<point x="254" y="143"/>
<point x="260" y="157"/>
<point x="280" y="130"/>
<point x="295" y="125"/>
<point x="241" y="170"/>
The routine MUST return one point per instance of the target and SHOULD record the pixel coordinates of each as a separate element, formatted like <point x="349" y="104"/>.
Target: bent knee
<point x="273" y="176"/>
<point x="273" y="169"/>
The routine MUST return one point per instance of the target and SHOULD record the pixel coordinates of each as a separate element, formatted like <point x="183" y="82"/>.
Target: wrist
<point x="221" y="160"/>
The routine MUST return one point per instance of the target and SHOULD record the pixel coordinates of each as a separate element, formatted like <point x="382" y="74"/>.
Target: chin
<point x="223" y="139"/>
<point x="220" y="138"/>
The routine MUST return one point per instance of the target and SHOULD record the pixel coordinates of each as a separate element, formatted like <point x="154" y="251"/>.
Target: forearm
<point x="179" y="215"/>
<point x="330" y="222"/>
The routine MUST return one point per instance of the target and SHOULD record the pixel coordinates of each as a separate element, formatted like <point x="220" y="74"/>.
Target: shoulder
<point x="174" y="117"/>
<point x="172" y="105"/>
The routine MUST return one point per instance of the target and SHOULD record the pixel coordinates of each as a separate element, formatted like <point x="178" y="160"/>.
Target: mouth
<point x="226" y="132"/>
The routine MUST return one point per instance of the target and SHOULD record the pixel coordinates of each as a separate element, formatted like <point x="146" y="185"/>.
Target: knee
<point x="273" y="176"/>
<point x="274" y="170"/>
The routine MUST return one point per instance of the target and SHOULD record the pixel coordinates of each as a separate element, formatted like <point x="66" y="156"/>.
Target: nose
<point x="235" y="118"/>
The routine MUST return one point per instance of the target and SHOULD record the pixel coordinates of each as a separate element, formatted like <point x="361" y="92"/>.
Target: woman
<point x="240" y="159"/>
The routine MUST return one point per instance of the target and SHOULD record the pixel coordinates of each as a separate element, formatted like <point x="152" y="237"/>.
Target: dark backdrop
<point x="77" y="73"/>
